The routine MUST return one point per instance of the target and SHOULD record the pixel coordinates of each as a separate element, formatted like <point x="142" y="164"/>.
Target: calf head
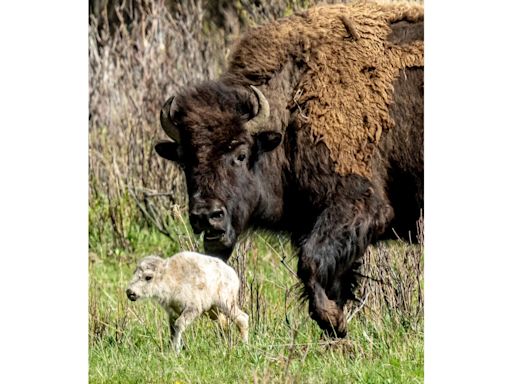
<point x="219" y="134"/>
<point x="142" y="285"/>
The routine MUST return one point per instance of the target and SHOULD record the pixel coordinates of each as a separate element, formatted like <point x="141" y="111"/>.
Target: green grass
<point x="129" y="342"/>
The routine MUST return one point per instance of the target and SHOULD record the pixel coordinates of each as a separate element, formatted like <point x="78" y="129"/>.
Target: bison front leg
<point x="329" y="255"/>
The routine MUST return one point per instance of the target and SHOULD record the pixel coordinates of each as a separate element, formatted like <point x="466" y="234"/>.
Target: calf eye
<point x="148" y="277"/>
<point x="241" y="158"/>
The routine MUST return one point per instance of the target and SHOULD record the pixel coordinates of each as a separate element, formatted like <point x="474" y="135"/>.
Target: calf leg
<point x="172" y="319"/>
<point x="240" y="318"/>
<point x="327" y="259"/>
<point x="178" y="327"/>
<point x="215" y="314"/>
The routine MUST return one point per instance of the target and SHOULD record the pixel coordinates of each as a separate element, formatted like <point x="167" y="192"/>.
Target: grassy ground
<point x="129" y="342"/>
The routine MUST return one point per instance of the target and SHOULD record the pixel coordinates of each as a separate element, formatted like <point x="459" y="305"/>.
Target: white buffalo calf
<point x="187" y="285"/>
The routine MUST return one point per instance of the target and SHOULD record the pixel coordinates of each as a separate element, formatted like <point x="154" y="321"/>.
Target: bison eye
<point x="148" y="277"/>
<point x="239" y="158"/>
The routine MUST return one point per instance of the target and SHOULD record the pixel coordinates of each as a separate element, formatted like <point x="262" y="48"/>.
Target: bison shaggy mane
<point x="348" y="66"/>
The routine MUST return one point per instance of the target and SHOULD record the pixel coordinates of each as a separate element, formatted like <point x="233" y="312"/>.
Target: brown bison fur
<point x="348" y="67"/>
<point x="327" y="148"/>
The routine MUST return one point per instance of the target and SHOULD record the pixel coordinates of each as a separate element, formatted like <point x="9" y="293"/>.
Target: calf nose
<point x="210" y="214"/>
<point x="131" y="295"/>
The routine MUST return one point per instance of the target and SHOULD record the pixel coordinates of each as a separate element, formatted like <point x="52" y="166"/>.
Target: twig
<point x="380" y="281"/>
<point x="281" y="258"/>
<point x="158" y="194"/>
<point x="297" y="95"/>
<point x="318" y="343"/>
<point x="290" y="352"/>
<point x="283" y="261"/>
<point x="350" y="27"/>
<point x="397" y="236"/>
<point x="358" y="308"/>
<point x="147" y="215"/>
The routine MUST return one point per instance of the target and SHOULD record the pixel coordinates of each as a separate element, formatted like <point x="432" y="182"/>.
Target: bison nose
<point x="131" y="295"/>
<point x="208" y="215"/>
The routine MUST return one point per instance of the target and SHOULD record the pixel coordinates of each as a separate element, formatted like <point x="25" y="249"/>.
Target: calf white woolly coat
<point x="187" y="285"/>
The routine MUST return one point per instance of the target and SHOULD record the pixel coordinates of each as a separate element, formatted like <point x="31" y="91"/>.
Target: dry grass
<point x="131" y="72"/>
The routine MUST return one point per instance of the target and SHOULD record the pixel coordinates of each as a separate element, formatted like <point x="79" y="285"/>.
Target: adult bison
<point x="315" y="129"/>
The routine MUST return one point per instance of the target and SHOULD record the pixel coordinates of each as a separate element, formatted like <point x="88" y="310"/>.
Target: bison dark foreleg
<point x="327" y="258"/>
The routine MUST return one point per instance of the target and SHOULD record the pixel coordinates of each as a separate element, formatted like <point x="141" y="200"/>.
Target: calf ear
<point x="168" y="150"/>
<point x="268" y="141"/>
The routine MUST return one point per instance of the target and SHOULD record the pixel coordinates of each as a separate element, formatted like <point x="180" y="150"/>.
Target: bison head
<point x="220" y="137"/>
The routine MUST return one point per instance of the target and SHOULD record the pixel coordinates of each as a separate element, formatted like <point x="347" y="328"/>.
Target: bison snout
<point x="210" y="216"/>
<point x="131" y="295"/>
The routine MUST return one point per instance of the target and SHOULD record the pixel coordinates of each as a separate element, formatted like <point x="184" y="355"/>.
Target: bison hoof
<point x="334" y="327"/>
<point x="336" y="333"/>
<point x="330" y="319"/>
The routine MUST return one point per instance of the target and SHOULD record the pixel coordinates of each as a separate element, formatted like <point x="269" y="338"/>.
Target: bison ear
<point x="268" y="140"/>
<point x="169" y="150"/>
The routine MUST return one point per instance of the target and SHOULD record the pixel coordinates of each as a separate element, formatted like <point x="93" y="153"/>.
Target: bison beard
<point x="256" y="157"/>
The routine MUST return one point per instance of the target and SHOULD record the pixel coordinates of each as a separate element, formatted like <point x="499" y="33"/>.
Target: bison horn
<point x="166" y="121"/>
<point x="255" y="124"/>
